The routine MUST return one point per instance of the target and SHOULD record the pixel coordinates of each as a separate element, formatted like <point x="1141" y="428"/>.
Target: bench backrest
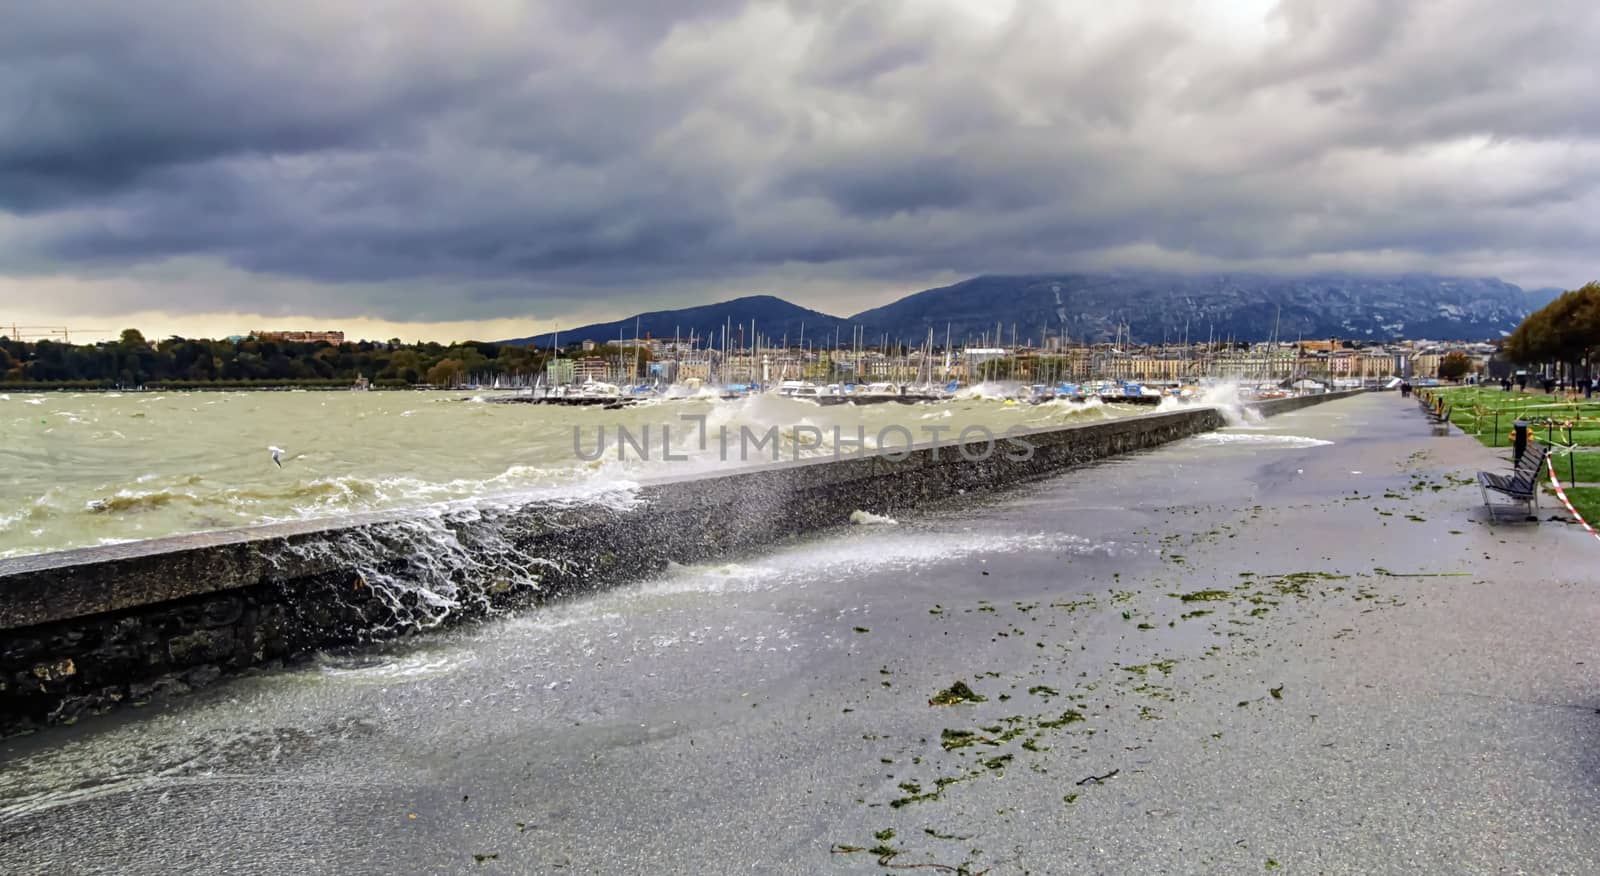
<point x="1527" y="471"/>
<point x="1533" y="456"/>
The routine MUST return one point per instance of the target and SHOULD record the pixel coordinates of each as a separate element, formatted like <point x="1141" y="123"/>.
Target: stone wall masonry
<point x="82" y="631"/>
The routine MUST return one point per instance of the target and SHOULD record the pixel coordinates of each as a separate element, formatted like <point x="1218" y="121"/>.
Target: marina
<point x="770" y="438"/>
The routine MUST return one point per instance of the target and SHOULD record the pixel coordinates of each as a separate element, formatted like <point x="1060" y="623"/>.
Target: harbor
<point x="644" y="370"/>
<point x="1184" y="640"/>
<point x="962" y="439"/>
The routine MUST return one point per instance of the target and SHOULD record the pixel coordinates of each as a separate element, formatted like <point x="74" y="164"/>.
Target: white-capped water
<point x="84" y="469"/>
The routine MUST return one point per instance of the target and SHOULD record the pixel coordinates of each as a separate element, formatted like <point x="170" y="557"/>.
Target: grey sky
<point x="483" y="163"/>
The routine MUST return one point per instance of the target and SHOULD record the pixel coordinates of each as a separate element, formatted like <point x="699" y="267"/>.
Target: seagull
<point x="280" y="456"/>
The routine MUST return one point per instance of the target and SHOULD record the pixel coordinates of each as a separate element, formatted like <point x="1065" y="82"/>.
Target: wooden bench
<point x="1522" y="485"/>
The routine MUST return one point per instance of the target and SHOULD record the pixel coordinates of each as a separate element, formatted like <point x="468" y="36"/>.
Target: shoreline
<point x="84" y="630"/>
<point x="1335" y="695"/>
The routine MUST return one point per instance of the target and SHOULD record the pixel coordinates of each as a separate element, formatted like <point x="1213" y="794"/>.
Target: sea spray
<point x="1222" y="396"/>
<point x="452" y="559"/>
<point x="991" y="390"/>
<point x="867" y="518"/>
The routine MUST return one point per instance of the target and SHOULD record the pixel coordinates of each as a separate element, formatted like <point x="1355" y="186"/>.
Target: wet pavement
<point x="1297" y="647"/>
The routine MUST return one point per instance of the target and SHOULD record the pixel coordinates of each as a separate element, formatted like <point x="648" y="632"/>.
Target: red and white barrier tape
<point x="1562" y="495"/>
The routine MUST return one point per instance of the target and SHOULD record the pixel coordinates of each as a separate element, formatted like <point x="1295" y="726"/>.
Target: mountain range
<point x="1147" y="307"/>
<point x="773" y="318"/>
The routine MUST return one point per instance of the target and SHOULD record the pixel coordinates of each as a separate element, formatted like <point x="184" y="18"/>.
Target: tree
<point x="131" y="361"/>
<point x="1567" y="330"/>
<point x="1454" y="366"/>
<point x="447" y="372"/>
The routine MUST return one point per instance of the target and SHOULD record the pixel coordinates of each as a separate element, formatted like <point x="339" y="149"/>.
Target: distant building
<point x="1157" y="367"/>
<point x="591" y="368"/>
<point x="1426" y="365"/>
<point x="978" y="355"/>
<point x="665" y="370"/>
<point x="299" y="337"/>
<point x="695" y="367"/>
<point x="1078" y="362"/>
<point x="559" y="372"/>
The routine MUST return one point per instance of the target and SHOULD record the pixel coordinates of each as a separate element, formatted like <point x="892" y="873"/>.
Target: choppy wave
<point x="124" y="501"/>
<point x="990" y="391"/>
<point x="1222" y="396"/>
<point x="182" y="463"/>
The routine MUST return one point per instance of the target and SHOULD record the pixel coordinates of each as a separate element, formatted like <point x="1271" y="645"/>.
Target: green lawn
<point x="1473" y="411"/>
<point x="1587" y="501"/>
<point x="1583" y="468"/>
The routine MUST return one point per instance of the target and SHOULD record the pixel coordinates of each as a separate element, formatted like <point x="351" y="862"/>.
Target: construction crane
<point x="47" y="332"/>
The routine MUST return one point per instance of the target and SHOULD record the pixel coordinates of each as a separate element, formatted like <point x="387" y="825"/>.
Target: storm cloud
<point x="478" y="159"/>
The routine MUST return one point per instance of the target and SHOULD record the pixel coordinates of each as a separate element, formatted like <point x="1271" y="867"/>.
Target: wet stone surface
<point x="1219" y="656"/>
<point x="132" y="617"/>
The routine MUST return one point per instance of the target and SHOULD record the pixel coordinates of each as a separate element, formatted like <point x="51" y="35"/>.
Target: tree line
<point x="1561" y="336"/>
<point x="176" y="363"/>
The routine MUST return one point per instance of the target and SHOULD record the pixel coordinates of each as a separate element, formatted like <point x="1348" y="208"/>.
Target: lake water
<point x="82" y="469"/>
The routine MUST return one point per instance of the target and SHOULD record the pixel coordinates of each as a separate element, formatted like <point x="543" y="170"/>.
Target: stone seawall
<point x="84" y="630"/>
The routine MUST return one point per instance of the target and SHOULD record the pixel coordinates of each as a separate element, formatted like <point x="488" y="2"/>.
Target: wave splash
<point x="412" y="574"/>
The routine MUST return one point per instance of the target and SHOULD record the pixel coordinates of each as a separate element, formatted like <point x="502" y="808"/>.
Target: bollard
<point x="1496" y="441"/>
<point x="1519" y="440"/>
<point x="1572" y="458"/>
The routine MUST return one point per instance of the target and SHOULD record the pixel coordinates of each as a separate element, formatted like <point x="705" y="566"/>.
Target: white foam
<point x="990" y="391"/>
<point x="867" y="518"/>
<point x="1261" y="440"/>
<point x="400" y="669"/>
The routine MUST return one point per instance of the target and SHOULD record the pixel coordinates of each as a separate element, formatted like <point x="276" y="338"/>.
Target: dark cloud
<point x="478" y="159"/>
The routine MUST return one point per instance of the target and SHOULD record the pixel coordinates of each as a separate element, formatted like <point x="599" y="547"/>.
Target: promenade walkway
<point x="1296" y="648"/>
